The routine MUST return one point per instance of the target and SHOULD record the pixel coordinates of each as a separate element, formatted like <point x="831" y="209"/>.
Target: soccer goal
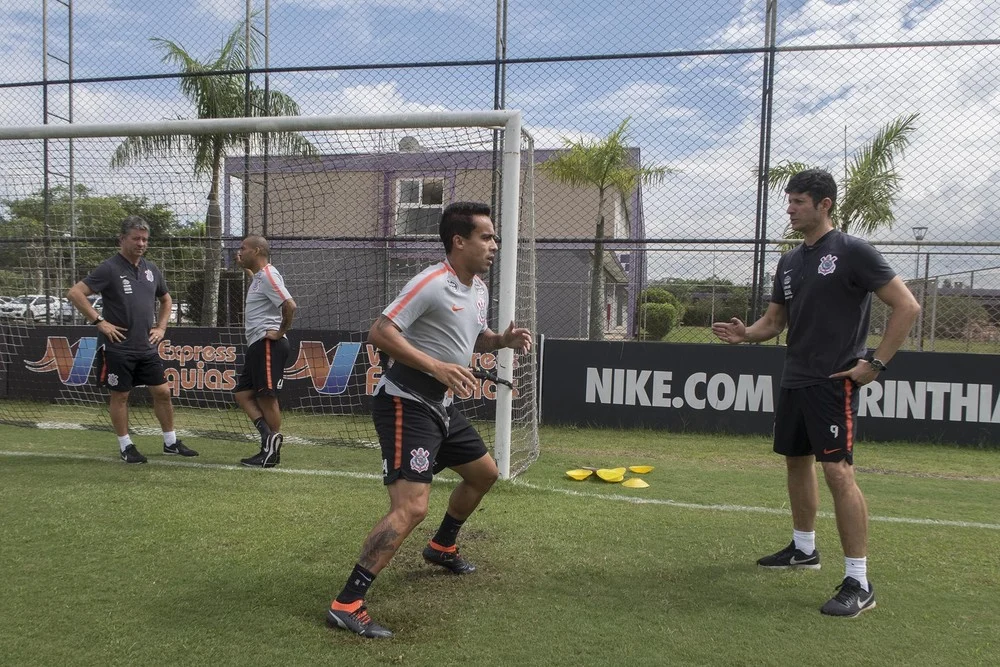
<point x="350" y="206"/>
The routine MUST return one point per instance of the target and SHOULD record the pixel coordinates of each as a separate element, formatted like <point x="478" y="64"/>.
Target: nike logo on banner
<point x="831" y="451"/>
<point x="456" y="308"/>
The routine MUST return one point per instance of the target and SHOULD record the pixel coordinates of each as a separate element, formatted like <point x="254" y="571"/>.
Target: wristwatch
<point x="99" y="319"/>
<point x="875" y="363"/>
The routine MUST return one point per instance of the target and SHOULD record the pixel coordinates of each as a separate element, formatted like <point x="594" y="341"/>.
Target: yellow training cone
<point x="641" y="470"/>
<point x="635" y="483"/>
<point x="579" y="474"/>
<point x="611" y="474"/>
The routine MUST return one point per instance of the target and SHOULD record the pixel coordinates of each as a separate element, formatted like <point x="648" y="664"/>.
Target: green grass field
<point x="199" y="562"/>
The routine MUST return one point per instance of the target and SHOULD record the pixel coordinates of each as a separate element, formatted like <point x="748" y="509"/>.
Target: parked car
<point x="31" y="308"/>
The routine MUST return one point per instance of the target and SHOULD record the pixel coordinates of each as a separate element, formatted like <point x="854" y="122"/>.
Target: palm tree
<point x="871" y="185"/>
<point x="608" y="165"/>
<point x="217" y="92"/>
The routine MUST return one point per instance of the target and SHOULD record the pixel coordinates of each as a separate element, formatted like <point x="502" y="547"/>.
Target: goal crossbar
<point x="262" y="124"/>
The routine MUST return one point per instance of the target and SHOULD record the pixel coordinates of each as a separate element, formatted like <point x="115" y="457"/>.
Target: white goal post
<point x="510" y="201"/>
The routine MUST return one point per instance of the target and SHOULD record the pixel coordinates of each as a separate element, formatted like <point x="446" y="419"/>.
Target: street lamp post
<point x="919" y="233"/>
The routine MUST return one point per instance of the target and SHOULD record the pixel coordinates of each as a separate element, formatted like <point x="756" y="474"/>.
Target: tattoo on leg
<point x="378" y="543"/>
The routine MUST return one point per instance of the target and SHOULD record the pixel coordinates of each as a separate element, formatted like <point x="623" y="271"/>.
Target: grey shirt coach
<point x="129" y="294"/>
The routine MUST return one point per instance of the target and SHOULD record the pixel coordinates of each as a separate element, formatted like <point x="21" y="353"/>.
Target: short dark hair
<point x="457" y="219"/>
<point x="134" y="222"/>
<point x="260" y="243"/>
<point x="816" y="183"/>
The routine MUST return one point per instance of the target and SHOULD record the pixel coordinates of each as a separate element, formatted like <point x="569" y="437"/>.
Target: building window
<point x="419" y="202"/>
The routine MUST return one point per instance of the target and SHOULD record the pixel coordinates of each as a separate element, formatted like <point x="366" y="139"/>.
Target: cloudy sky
<point x="699" y="114"/>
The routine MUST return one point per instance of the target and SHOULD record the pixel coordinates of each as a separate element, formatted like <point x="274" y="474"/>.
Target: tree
<point x="42" y="251"/>
<point x="607" y="165"/>
<point x="218" y="92"/>
<point x="871" y="186"/>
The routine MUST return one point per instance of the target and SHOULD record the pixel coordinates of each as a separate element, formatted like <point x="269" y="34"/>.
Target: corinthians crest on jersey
<point x="827" y="265"/>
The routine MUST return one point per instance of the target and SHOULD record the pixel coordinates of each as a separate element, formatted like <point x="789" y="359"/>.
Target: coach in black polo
<point x="129" y="331"/>
<point x="822" y="291"/>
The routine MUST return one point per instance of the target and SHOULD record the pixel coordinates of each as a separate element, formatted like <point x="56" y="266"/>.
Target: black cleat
<point x="269" y="454"/>
<point x="179" y="448"/>
<point x="262" y="459"/>
<point x="131" y="455"/>
<point x="450" y="560"/>
<point x="791" y="558"/>
<point x="357" y="621"/>
<point x="850" y="599"/>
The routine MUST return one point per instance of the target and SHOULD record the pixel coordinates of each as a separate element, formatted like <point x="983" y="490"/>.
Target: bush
<point x="657" y="295"/>
<point x="656" y="320"/>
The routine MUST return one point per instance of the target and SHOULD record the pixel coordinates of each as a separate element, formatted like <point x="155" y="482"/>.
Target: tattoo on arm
<point x="379" y="543"/>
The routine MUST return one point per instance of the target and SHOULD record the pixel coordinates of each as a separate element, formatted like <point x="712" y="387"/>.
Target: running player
<point x="430" y="331"/>
<point x="267" y="317"/>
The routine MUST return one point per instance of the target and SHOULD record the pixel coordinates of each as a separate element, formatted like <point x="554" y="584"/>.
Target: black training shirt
<point x="129" y="294"/>
<point x="826" y="289"/>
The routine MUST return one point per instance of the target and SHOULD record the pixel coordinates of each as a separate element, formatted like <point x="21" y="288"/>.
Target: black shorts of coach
<point x="821" y="420"/>
<point x="264" y="367"/>
<point x="415" y="446"/>
<point x="122" y="372"/>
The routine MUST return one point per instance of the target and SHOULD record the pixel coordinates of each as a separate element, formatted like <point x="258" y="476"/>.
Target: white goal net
<point x="350" y="207"/>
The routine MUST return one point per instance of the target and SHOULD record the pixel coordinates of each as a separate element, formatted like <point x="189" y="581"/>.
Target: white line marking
<point x="615" y="497"/>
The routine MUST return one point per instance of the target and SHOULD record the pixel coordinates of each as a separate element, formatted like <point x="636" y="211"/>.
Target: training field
<point x="196" y="561"/>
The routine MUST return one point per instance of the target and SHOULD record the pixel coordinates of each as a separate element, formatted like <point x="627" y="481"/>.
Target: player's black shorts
<point x="821" y="419"/>
<point x="121" y="372"/>
<point x="264" y="367"/>
<point x="415" y="445"/>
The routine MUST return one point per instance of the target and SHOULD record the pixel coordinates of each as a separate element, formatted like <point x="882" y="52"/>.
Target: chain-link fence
<point x="898" y="99"/>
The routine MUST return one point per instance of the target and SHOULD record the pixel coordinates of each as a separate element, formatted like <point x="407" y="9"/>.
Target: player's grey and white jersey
<point x="440" y="316"/>
<point x="263" y="305"/>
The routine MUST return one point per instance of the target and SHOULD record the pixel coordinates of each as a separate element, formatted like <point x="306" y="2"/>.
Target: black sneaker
<point x="179" y="448"/>
<point x="450" y="560"/>
<point x="269" y="454"/>
<point x="850" y="599"/>
<point x="357" y="621"/>
<point x="131" y="455"/>
<point x="790" y="557"/>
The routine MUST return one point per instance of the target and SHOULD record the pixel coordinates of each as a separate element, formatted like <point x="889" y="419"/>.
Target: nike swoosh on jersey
<point x="831" y="451"/>
<point x="455" y="308"/>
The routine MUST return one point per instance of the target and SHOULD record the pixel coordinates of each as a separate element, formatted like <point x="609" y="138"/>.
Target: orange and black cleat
<point x="448" y="558"/>
<point x="354" y="617"/>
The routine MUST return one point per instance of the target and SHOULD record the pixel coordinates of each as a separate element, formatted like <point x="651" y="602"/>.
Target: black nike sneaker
<point x="179" y="448"/>
<point x="450" y="560"/>
<point x="269" y="454"/>
<point x="357" y="621"/>
<point x="850" y="599"/>
<point x="791" y="558"/>
<point x="131" y="455"/>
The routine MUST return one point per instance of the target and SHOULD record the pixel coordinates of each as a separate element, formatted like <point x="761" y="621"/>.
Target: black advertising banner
<point x="332" y="372"/>
<point x="923" y="396"/>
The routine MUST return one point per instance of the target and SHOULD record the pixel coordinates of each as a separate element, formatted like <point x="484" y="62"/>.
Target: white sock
<point x="805" y="541"/>
<point x="857" y="568"/>
<point x="169" y="438"/>
<point x="124" y="441"/>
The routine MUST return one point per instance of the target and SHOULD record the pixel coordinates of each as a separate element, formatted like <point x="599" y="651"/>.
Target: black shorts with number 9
<point x="821" y="419"/>
<point x="415" y="445"/>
